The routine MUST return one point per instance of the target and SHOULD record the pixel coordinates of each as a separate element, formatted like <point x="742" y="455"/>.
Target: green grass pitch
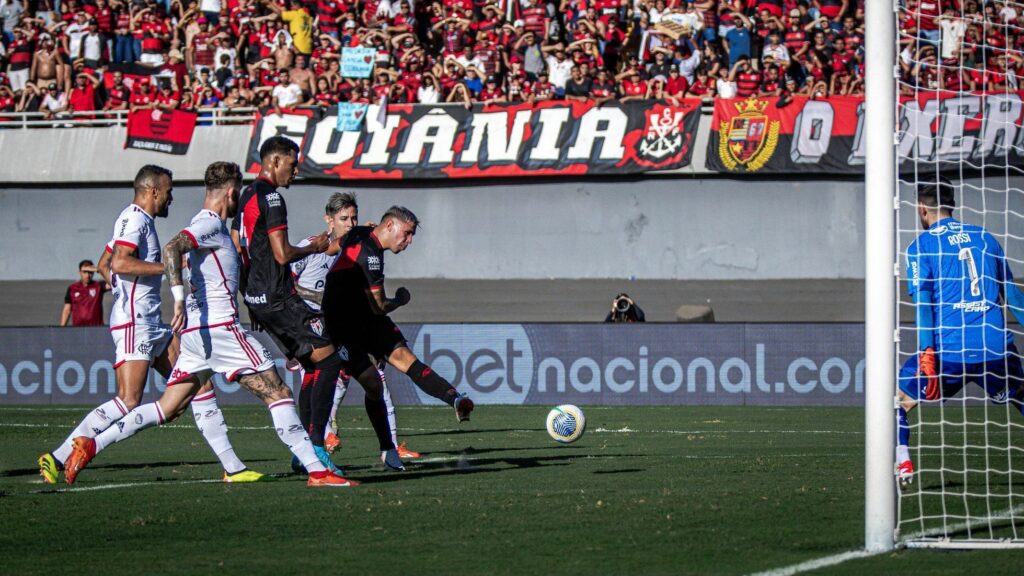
<point x="647" y="490"/>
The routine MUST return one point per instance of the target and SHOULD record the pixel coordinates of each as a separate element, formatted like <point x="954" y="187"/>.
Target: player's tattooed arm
<point x="173" y="250"/>
<point x="310" y="295"/>
<point x="266" y="385"/>
<point x="383" y="305"/>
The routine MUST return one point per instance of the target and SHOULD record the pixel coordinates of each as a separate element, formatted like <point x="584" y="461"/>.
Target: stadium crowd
<point x="82" y="55"/>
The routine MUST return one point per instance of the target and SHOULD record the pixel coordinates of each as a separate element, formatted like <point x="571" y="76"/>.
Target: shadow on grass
<point x="459" y="431"/>
<point x="620" y="471"/>
<point x="466" y="465"/>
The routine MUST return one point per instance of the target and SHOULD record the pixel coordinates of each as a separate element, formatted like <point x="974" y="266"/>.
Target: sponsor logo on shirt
<point x="274" y="199"/>
<point x="124" y="224"/>
<point x="261" y="299"/>
<point x="980" y="306"/>
<point x="373" y="262"/>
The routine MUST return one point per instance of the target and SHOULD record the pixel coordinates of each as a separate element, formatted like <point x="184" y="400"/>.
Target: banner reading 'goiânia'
<point x="754" y="135"/>
<point x="549" y="138"/>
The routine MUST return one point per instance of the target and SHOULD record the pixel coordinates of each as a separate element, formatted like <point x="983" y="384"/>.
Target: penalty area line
<point x="818" y="563"/>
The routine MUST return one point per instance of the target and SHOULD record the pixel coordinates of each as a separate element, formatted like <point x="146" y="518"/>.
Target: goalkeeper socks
<point x="377" y="411"/>
<point x="385" y="395"/>
<point x="292" y="433"/>
<point x="210" y="421"/>
<point x="428" y="381"/>
<point x="92" y="425"/>
<point x="339" y="394"/>
<point x="325" y="381"/>
<point x="903" y="436"/>
<point x="145" y="416"/>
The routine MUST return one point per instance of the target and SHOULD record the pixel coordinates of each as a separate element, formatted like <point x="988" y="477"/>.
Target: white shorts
<point x="18" y="79"/>
<point x="225" y="348"/>
<point x="139" y="342"/>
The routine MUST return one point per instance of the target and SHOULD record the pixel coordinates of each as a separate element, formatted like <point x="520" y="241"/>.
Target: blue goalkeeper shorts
<point x="1002" y="378"/>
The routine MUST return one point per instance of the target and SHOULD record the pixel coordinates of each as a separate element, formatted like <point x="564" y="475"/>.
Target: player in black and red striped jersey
<point x="356" y="309"/>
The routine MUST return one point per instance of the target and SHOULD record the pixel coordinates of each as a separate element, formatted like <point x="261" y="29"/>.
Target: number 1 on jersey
<point x="972" y="270"/>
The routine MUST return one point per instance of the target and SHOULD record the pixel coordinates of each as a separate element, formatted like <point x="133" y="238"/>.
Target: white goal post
<point x="967" y="449"/>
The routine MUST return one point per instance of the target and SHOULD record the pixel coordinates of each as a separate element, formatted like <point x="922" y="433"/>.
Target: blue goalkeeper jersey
<point x="964" y="268"/>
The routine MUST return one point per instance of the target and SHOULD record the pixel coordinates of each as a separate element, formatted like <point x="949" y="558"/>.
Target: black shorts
<point x="377" y="337"/>
<point x="295" y="327"/>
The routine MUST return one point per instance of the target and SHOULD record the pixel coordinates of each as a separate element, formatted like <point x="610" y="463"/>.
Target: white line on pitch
<point x="817" y="563"/>
<point x="126" y="485"/>
<point x="625" y="430"/>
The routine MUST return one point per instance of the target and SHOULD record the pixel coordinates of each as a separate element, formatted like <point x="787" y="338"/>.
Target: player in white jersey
<point x="131" y="264"/>
<point x="341" y="215"/>
<point x="212" y="339"/>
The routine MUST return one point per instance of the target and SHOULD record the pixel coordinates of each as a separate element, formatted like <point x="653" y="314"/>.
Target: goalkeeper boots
<point x="83" y="452"/>
<point x="49" y="468"/>
<point x="905" y="473"/>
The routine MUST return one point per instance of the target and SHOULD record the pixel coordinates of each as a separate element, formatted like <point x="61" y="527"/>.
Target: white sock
<point x="210" y="421"/>
<point x="386" y="394"/>
<point x="92" y="425"/>
<point x="145" y="416"/>
<point x="294" y="436"/>
<point x="902" y="454"/>
<point x="339" y="394"/>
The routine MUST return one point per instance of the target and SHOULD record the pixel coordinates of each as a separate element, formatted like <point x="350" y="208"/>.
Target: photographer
<point x="624" y="309"/>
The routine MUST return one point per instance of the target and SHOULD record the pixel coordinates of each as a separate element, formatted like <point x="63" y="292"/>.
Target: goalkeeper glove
<point x="928" y="367"/>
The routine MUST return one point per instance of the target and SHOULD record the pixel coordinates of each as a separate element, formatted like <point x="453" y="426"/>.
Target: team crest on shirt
<point x="343" y="353"/>
<point x="92" y="292"/>
<point x="749" y="139"/>
<point x="317" y="326"/>
<point x="664" y="135"/>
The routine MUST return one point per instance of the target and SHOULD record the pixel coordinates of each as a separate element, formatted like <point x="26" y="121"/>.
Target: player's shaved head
<point x="277" y="145"/>
<point x="149" y="177"/>
<point x="221" y="175"/>
<point x="402" y="214"/>
<point x="340" y="201"/>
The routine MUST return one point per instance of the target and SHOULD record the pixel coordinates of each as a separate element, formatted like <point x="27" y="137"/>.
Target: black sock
<point x="428" y="381"/>
<point x="377" y="411"/>
<point x="325" y="378"/>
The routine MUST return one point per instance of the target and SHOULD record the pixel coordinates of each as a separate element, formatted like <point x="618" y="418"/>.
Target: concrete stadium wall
<point x="655" y="228"/>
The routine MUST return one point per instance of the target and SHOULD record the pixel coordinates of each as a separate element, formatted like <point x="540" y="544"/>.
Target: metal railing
<point x="207" y="117"/>
<point x="110" y="118"/>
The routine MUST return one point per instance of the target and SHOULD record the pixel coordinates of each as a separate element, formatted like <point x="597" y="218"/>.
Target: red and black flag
<point x="168" y="131"/>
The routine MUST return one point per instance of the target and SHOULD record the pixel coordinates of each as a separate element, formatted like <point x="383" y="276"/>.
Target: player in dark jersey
<point x="356" y="310"/>
<point x="269" y="291"/>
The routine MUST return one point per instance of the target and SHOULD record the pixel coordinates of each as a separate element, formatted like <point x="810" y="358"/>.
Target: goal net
<point x="958" y="112"/>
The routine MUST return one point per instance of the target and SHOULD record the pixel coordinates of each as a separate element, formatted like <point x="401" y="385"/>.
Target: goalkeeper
<point x="959" y="281"/>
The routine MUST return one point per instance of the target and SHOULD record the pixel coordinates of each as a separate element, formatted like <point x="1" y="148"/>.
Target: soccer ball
<point x="566" y="423"/>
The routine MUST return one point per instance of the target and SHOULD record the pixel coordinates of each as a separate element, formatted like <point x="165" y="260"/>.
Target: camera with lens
<point x="624" y="309"/>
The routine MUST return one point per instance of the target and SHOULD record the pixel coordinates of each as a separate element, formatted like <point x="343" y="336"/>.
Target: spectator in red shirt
<point x="83" y="300"/>
<point x="82" y="97"/>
